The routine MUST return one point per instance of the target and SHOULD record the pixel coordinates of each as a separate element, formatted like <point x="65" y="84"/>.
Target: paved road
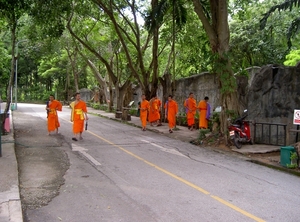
<point x="119" y="173"/>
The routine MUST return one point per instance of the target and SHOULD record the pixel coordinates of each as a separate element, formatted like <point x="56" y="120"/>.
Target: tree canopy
<point x="116" y="45"/>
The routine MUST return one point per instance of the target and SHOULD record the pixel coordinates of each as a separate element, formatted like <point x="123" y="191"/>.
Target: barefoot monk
<point x="190" y="107"/>
<point x="171" y="110"/>
<point x="204" y="109"/>
<point x="144" y="108"/>
<point x="154" y="111"/>
<point x="52" y="107"/>
<point x="78" y="115"/>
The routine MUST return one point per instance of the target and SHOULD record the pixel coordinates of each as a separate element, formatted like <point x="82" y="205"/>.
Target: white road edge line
<point x="172" y="151"/>
<point x="85" y="154"/>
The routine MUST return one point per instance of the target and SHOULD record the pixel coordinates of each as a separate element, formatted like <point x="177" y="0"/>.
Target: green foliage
<point x="133" y="111"/>
<point x="50" y="16"/>
<point x="181" y="120"/>
<point x="221" y="67"/>
<point x="202" y="133"/>
<point x="294" y="158"/>
<point x="96" y="105"/>
<point x="295" y="23"/>
<point x="193" y="53"/>
<point x="215" y="117"/>
<point x="292" y="58"/>
<point x="4" y="70"/>
<point x="157" y="16"/>
<point x="232" y="114"/>
<point x="250" y="46"/>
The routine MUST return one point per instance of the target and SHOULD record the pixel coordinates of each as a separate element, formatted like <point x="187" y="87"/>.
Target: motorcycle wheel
<point x="251" y="142"/>
<point x="236" y="140"/>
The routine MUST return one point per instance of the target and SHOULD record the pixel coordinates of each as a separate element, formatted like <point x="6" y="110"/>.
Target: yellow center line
<point x="224" y="202"/>
<point x="182" y="180"/>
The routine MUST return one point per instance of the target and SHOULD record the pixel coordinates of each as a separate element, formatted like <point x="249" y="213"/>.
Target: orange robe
<point x="191" y="107"/>
<point x="159" y="107"/>
<point x="144" y="107"/>
<point x="171" y="109"/>
<point x="202" y="106"/>
<point x="154" y="114"/>
<point x="77" y="116"/>
<point x="53" y="122"/>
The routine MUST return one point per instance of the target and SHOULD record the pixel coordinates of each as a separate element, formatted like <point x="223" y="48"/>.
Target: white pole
<point x="16" y="80"/>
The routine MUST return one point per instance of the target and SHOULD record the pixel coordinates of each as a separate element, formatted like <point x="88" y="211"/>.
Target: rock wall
<point x="204" y="84"/>
<point x="86" y="94"/>
<point x="274" y="94"/>
<point x="201" y="85"/>
<point x="272" y="97"/>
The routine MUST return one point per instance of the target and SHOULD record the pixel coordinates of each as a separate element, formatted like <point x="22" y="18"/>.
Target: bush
<point x="133" y="112"/>
<point x="103" y="107"/>
<point x="203" y="132"/>
<point x="96" y="106"/>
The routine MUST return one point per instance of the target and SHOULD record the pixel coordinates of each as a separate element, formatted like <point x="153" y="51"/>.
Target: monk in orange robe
<point x="159" y="110"/>
<point x="144" y="108"/>
<point x="52" y="107"/>
<point x="190" y="108"/>
<point x="171" y="110"/>
<point x="78" y="115"/>
<point x="154" y="110"/>
<point x="204" y="109"/>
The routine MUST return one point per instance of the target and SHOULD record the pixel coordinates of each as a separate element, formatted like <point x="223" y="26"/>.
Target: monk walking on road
<point x="154" y="111"/>
<point x="52" y="107"/>
<point x="78" y="115"/>
<point x="204" y="109"/>
<point x="191" y="107"/>
<point x="171" y="110"/>
<point x="144" y="108"/>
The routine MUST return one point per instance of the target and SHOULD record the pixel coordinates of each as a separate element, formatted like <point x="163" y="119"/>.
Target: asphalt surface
<point x="118" y="173"/>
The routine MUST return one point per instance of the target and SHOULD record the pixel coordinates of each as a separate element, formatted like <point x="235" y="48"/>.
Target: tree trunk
<point x="166" y="82"/>
<point x="217" y="29"/>
<point x="12" y="68"/>
<point x="120" y="94"/>
<point x="128" y="96"/>
<point x="227" y="86"/>
<point x="98" y="76"/>
<point x="154" y="83"/>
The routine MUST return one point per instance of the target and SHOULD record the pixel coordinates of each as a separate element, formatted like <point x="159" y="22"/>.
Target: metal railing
<point x="270" y="133"/>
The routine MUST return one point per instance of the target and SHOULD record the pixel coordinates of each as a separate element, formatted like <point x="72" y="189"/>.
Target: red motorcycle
<point x="239" y="131"/>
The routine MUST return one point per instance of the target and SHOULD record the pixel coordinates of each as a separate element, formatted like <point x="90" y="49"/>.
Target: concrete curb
<point x="10" y="202"/>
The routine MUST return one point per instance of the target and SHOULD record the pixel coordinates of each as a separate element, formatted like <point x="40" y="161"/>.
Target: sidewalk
<point x="10" y="203"/>
<point x="184" y="134"/>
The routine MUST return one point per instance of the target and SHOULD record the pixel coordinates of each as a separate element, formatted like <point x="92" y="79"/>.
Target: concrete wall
<point x="270" y="94"/>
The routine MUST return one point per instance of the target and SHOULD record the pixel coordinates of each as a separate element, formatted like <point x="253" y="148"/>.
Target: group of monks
<point x="150" y="110"/>
<point x="78" y="115"/>
<point x="191" y="107"/>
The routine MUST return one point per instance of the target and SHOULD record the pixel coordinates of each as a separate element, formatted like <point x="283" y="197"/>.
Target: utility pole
<point x="16" y="77"/>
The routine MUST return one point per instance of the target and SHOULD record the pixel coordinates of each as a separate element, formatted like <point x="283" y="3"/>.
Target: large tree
<point x="213" y="15"/>
<point x="11" y="11"/>
<point x="96" y="39"/>
<point x="133" y="41"/>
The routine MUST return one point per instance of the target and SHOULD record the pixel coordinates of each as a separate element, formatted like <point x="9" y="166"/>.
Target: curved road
<point x="119" y="173"/>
